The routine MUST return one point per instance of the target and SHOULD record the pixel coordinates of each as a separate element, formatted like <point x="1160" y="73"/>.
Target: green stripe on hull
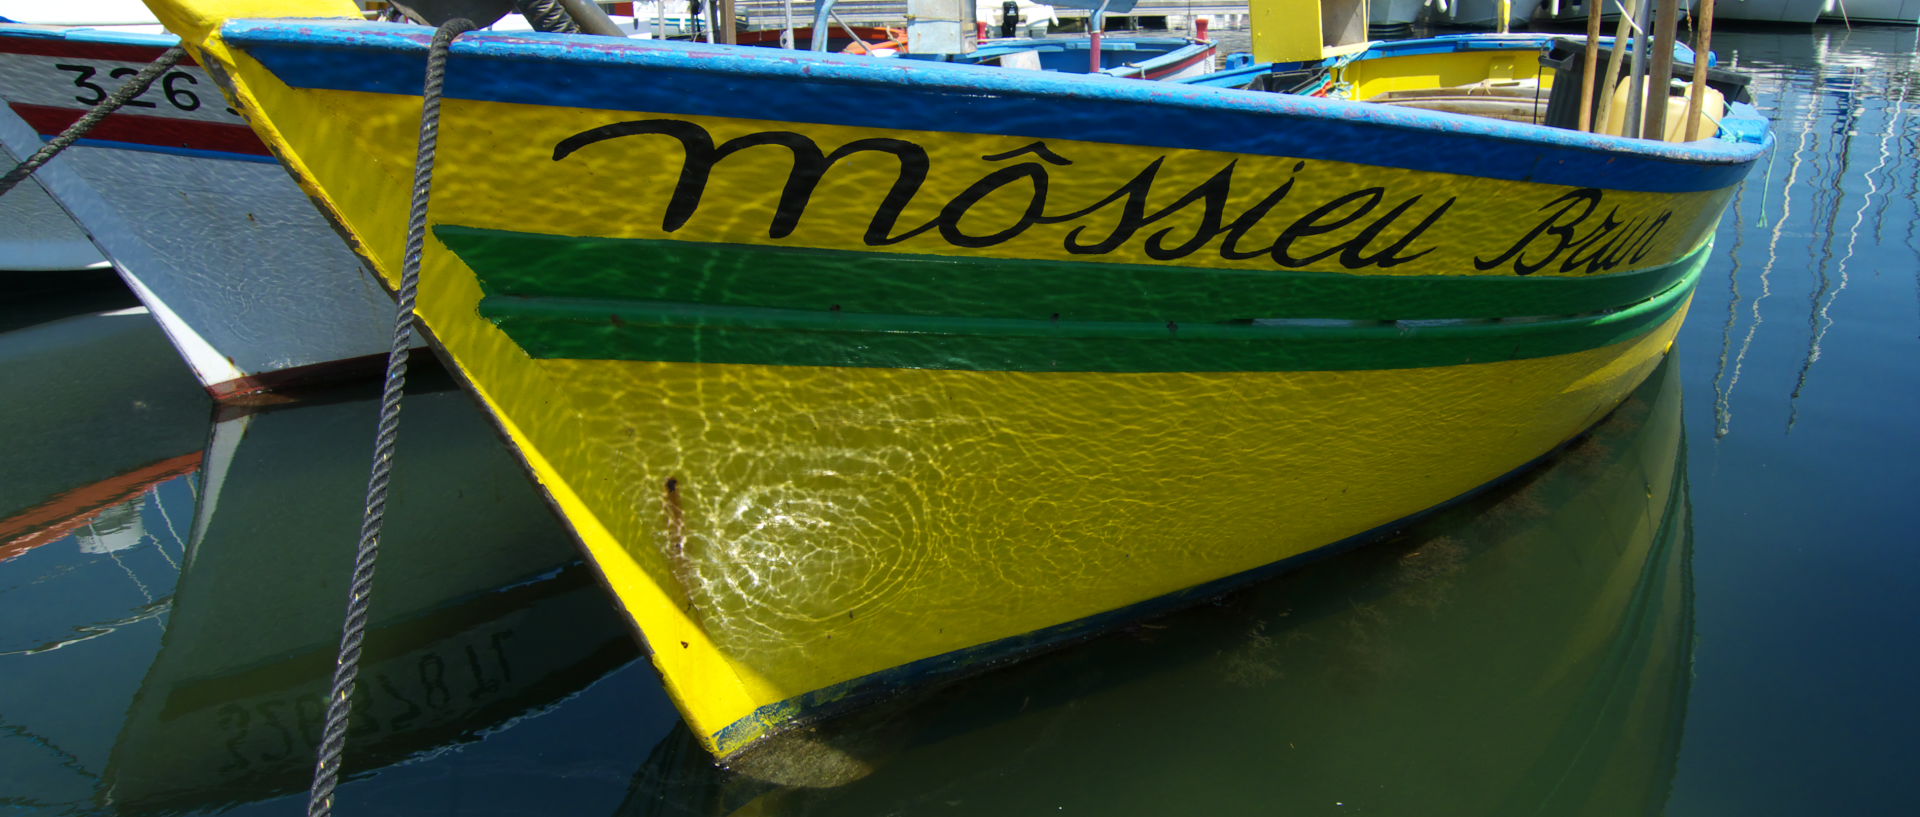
<point x="535" y="265"/>
<point x="613" y="299"/>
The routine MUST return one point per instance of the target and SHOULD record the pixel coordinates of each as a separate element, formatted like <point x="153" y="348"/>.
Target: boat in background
<point x="198" y="218"/>
<point x="1788" y="12"/>
<point x="1154" y="58"/>
<point x="1395" y="18"/>
<point x="1485" y="14"/>
<point x="1873" y="12"/>
<point x="840" y="404"/>
<point x="1030" y="19"/>
<point x="120" y="15"/>
<point x="1567" y="13"/>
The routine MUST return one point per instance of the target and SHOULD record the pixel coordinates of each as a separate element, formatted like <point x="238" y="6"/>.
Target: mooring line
<point x="75" y="132"/>
<point x="326" y="769"/>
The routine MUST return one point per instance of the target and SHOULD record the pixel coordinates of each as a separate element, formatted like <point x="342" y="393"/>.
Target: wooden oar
<point x="1666" y="31"/>
<point x="1627" y="11"/>
<point x="1593" y="63"/>
<point x="1702" y="46"/>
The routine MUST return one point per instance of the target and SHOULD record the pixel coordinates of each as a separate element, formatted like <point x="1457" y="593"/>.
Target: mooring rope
<point x="136" y="86"/>
<point x="546" y="15"/>
<point x="326" y="769"/>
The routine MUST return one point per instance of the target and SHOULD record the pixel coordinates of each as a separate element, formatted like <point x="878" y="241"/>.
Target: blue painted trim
<point x="172" y="151"/>
<point x="787" y="86"/>
<point x="90" y="35"/>
<point x="820" y="704"/>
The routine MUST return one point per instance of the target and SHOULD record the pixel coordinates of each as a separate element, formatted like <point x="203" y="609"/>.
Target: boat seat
<point x="1515" y="100"/>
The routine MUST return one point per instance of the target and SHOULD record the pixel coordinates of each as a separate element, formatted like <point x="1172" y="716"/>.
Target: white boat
<point x="1396" y="15"/>
<point x="1881" y="12"/>
<point x="202" y="223"/>
<point x="1486" y="13"/>
<point x="35" y="234"/>
<point x="1575" y="11"/>
<point x="1033" y="20"/>
<point x="1794" y="12"/>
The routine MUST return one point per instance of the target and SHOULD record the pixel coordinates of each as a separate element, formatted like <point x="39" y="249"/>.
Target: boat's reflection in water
<point x="1525" y="652"/>
<point x="481" y="614"/>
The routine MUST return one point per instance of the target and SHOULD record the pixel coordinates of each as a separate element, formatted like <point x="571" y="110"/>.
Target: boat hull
<point x="1875" y="12"/>
<point x="819" y="452"/>
<point x="1486" y="13"/>
<point x="36" y="235"/>
<point x="198" y="217"/>
<point x="1791" y="12"/>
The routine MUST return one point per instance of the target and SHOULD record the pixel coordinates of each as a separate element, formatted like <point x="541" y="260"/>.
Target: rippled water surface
<point x="1705" y="607"/>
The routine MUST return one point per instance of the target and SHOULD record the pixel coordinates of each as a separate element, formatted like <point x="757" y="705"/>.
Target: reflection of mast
<point x="1773" y="256"/>
<point x="1720" y="392"/>
<point x="1913" y="201"/>
<point x="1841" y="156"/>
<point x="1823" y="315"/>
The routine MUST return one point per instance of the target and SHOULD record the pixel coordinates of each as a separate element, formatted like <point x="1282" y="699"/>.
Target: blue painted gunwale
<point x="697" y="79"/>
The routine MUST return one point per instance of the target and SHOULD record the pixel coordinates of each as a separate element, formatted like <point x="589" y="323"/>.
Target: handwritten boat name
<point x="1359" y="228"/>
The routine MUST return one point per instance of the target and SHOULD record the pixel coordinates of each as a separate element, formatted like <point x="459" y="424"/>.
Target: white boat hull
<point x="1486" y="13"/>
<point x="1770" y="11"/>
<point x="1883" y="12"/>
<point x="35" y="234"/>
<point x="1396" y="12"/>
<point x="250" y="283"/>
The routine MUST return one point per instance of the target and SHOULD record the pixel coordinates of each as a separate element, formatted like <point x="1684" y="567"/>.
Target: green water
<point x="1706" y="607"/>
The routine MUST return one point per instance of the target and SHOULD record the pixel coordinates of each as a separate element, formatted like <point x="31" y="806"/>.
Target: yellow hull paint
<point x="830" y="523"/>
<point x="774" y="531"/>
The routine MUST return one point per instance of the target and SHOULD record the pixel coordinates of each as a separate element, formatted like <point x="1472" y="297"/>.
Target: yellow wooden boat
<point x="838" y="403"/>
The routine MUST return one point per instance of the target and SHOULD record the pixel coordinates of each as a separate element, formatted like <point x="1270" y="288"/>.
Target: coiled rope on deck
<point x="326" y="770"/>
<point x="135" y="86"/>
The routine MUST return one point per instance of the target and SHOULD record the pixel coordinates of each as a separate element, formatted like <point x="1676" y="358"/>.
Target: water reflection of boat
<point x="484" y="612"/>
<point x="1527" y="652"/>
<point x="112" y="412"/>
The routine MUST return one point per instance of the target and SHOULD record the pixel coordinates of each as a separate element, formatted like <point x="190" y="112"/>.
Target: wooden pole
<point x="1702" y="46"/>
<point x="1666" y="31"/>
<point x="1613" y="62"/>
<point x="1587" y="79"/>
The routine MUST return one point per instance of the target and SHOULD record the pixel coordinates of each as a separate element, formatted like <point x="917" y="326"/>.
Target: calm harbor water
<point x="1705" y="607"/>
